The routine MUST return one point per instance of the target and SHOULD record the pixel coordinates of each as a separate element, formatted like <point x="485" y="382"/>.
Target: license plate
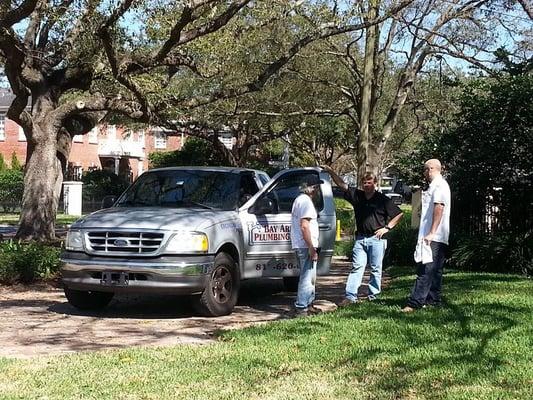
<point x="110" y="278"/>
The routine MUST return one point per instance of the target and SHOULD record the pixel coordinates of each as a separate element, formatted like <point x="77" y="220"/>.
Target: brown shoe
<point x="408" y="309"/>
<point x="312" y="310"/>
<point x="299" y="313"/>
<point x="347" y="303"/>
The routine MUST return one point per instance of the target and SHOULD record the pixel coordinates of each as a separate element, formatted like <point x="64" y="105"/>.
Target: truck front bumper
<point x="168" y="274"/>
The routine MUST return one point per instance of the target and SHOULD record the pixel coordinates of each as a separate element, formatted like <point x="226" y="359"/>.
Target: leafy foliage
<point x="100" y="183"/>
<point x="487" y="156"/>
<point x="494" y="135"/>
<point x="15" y="163"/>
<point x="26" y="262"/>
<point x="401" y="242"/>
<point x="11" y="188"/>
<point x="506" y="252"/>
<point x="195" y="151"/>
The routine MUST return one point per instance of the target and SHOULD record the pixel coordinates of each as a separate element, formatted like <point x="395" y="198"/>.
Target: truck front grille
<point x="113" y="242"/>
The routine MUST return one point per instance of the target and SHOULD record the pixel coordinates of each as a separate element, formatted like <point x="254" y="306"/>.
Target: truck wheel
<point x="88" y="300"/>
<point x="222" y="291"/>
<point x="291" y="283"/>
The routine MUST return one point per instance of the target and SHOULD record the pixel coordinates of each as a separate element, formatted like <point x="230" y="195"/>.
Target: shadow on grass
<point x="453" y="344"/>
<point x="459" y="344"/>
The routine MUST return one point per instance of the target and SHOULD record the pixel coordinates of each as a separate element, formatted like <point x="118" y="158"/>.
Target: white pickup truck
<point x="192" y="230"/>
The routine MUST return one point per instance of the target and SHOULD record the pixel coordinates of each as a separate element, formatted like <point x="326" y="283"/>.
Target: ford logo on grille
<point x="121" y="243"/>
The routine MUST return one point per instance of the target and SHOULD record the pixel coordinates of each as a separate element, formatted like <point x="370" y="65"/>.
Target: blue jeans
<point x="306" y="283"/>
<point x="366" y="249"/>
<point x="428" y="285"/>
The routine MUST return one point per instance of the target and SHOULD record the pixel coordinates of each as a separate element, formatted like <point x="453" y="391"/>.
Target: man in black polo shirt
<point x="375" y="215"/>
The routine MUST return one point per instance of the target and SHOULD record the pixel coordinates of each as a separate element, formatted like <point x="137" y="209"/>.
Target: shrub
<point x="345" y="215"/>
<point x="193" y="152"/>
<point x="505" y="252"/>
<point x="15" y="163"/>
<point x="11" y="189"/>
<point x="343" y="248"/>
<point x="401" y="242"/>
<point x="100" y="183"/>
<point x="26" y="262"/>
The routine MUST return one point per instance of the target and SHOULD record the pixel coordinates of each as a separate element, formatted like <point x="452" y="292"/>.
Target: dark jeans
<point x="428" y="284"/>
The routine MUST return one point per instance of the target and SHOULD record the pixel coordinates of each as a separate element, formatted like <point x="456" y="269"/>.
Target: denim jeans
<point x="306" y="283"/>
<point x="366" y="249"/>
<point x="428" y="285"/>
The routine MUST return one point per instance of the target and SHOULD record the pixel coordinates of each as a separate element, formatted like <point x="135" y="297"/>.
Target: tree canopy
<point x="260" y="69"/>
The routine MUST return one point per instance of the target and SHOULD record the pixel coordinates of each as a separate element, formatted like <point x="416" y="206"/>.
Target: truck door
<point x="266" y="225"/>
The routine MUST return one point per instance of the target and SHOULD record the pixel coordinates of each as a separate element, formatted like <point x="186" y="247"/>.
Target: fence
<point x="88" y="206"/>
<point x="494" y="211"/>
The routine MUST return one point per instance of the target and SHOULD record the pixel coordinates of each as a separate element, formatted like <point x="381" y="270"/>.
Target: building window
<point x="78" y="138"/>
<point x="93" y="135"/>
<point x="2" y="127"/>
<point x="111" y="131"/>
<point x="22" y="136"/>
<point x="160" y="140"/>
<point x="74" y="172"/>
<point x="141" y="137"/>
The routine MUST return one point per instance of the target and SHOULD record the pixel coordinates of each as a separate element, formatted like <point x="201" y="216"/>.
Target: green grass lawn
<point x="13" y="219"/>
<point x="479" y="346"/>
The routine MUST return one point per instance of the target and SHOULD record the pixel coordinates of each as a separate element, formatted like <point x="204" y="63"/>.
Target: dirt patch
<point x="37" y="320"/>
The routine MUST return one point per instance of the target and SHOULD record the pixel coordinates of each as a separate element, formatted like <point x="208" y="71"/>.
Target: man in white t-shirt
<point x="433" y="235"/>
<point x="304" y="240"/>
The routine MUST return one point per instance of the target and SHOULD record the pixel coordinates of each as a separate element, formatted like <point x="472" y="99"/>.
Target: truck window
<point x="248" y="187"/>
<point x="264" y="178"/>
<point x="282" y="195"/>
<point x="183" y="188"/>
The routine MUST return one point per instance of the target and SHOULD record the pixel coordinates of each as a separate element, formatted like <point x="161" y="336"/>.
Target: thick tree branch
<point x="9" y="17"/>
<point x="275" y="66"/>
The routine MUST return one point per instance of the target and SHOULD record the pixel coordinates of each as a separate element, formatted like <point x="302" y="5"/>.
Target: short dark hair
<point x="369" y="175"/>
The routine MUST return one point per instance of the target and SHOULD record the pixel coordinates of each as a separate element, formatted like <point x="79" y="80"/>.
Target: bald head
<point x="432" y="169"/>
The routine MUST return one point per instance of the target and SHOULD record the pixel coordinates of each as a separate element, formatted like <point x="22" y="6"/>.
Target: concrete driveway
<point x="37" y="320"/>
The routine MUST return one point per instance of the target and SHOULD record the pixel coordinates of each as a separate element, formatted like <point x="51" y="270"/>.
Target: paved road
<point x="39" y="321"/>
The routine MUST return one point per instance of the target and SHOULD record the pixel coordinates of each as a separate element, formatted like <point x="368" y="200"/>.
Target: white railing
<point x="122" y="148"/>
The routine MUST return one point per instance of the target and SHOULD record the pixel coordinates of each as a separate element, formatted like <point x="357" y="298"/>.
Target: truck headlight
<point x="187" y="242"/>
<point x="74" y="241"/>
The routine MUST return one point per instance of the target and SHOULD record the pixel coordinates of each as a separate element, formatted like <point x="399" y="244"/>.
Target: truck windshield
<point x="183" y="188"/>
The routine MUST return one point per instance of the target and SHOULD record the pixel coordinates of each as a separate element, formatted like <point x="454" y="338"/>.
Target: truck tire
<point x="222" y="291"/>
<point x="88" y="300"/>
<point x="290" y="283"/>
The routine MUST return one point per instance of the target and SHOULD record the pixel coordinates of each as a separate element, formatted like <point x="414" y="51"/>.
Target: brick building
<point x="110" y="147"/>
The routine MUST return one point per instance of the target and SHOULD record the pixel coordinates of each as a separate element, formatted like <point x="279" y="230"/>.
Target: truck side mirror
<point x="263" y="205"/>
<point x="108" y="201"/>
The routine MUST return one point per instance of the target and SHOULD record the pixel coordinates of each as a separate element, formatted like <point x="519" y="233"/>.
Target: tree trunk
<point x="43" y="177"/>
<point x="366" y="96"/>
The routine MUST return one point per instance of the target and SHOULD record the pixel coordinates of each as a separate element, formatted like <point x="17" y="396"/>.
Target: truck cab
<point x="193" y="230"/>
